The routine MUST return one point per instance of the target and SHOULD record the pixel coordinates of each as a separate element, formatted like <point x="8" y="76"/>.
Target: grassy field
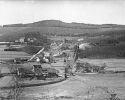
<point x="11" y="54"/>
<point x="83" y="86"/>
<point x="108" y="40"/>
<point x="79" y="87"/>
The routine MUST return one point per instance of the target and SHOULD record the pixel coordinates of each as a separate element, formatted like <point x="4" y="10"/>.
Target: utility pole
<point x="16" y="88"/>
<point x="76" y="52"/>
<point x="71" y="63"/>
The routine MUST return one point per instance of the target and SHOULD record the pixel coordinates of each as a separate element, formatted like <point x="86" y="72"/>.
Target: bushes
<point x="37" y="39"/>
<point x="35" y="42"/>
<point x="87" y="67"/>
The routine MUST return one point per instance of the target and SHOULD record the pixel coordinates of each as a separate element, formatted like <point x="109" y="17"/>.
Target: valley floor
<point x="79" y="87"/>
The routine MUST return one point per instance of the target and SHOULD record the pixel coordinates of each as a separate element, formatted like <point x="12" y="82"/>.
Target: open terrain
<point x="79" y="87"/>
<point x="107" y="40"/>
<point x="107" y="46"/>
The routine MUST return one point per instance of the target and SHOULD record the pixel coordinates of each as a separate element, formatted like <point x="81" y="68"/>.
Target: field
<point x="5" y="68"/>
<point x="11" y="54"/>
<point x="84" y="86"/>
<point x="107" y="40"/>
<point x="79" y="87"/>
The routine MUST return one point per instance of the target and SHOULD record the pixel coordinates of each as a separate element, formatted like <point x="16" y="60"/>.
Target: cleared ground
<point x="5" y="68"/>
<point x="11" y="54"/>
<point x="79" y="87"/>
<point x="84" y="86"/>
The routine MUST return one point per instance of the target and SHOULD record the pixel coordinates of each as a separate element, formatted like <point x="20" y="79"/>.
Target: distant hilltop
<point x="58" y="28"/>
<point x="58" y="23"/>
<point x="107" y="40"/>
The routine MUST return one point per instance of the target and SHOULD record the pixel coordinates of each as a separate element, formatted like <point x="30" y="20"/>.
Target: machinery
<point x="38" y="72"/>
<point x="38" y="57"/>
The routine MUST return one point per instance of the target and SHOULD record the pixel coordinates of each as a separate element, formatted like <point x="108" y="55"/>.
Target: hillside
<point x="109" y="44"/>
<point x="108" y="40"/>
<point x="58" y="23"/>
<point x="56" y="27"/>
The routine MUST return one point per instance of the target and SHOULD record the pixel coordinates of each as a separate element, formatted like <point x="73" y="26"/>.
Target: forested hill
<point x="56" y="27"/>
<point x="108" y="39"/>
<point x="57" y="23"/>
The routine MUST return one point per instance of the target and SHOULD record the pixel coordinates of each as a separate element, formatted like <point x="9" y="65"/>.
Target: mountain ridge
<point x="58" y="23"/>
<point x="59" y="28"/>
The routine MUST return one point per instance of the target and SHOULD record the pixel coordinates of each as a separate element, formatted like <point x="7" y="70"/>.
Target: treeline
<point x="37" y="39"/>
<point x="116" y="51"/>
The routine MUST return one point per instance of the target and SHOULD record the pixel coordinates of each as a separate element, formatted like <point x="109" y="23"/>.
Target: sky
<point x="81" y="11"/>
